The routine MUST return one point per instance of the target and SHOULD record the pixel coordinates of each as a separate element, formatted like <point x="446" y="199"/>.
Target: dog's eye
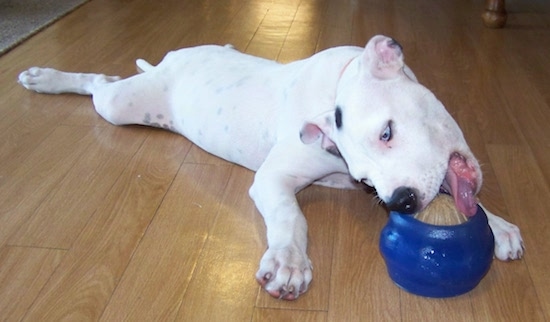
<point x="387" y="134"/>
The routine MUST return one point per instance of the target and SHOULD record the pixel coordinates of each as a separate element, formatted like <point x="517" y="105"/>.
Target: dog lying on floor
<point x="343" y="117"/>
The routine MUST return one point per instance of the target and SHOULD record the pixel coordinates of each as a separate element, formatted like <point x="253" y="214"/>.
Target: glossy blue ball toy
<point x="437" y="261"/>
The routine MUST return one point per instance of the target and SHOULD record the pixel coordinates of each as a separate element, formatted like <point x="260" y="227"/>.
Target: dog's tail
<point x="143" y="66"/>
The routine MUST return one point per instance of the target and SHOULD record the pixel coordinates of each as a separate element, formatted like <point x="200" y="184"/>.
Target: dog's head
<point x="395" y="135"/>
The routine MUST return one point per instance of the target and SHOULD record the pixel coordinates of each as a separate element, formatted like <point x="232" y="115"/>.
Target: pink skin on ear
<point x="312" y="132"/>
<point x="385" y="57"/>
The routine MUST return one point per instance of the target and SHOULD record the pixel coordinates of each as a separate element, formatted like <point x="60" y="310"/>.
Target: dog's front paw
<point x="508" y="241"/>
<point x="285" y="273"/>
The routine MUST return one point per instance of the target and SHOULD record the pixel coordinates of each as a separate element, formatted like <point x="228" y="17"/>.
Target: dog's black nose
<point x="404" y="200"/>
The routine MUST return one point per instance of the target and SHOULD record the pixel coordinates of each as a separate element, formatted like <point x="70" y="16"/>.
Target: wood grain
<point x="23" y="273"/>
<point x="87" y="276"/>
<point x="159" y="273"/>
<point x="104" y="223"/>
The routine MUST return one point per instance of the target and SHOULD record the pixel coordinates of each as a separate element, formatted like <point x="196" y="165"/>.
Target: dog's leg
<point x="140" y="99"/>
<point x="508" y="241"/>
<point x="52" y="81"/>
<point x="285" y="270"/>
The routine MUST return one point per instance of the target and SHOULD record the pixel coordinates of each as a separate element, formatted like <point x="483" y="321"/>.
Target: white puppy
<point x="344" y="116"/>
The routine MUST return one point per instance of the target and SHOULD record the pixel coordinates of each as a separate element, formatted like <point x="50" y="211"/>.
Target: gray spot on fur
<point x="147" y="119"/>
<point x="171" y="126"/>
<point x="160" y="116"/>
<point x="237" y="84"/>
<point x="242" y="81"/>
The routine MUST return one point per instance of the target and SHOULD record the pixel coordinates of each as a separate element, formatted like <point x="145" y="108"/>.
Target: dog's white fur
<point x="282" y="121"/>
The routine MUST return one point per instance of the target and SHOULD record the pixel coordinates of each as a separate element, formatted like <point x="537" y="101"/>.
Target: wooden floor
<point x="128" y="223"/>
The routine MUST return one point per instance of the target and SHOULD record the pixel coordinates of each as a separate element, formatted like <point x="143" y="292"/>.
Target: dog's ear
<point x="310" y="133"/>
<point x="320" y="128"/>
<point x="383" y="58"/>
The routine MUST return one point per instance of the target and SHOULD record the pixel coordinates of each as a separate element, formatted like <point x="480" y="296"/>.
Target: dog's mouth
<point x="461" y="182"/>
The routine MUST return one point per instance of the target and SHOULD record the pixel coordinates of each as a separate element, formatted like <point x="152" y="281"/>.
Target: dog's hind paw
<point x="285" y="273"/>
<point x="52" y="81"/>
<point x="37" y="79"/>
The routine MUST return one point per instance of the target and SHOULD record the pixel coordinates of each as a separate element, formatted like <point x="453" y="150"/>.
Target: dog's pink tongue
<point x="462" y="182"/>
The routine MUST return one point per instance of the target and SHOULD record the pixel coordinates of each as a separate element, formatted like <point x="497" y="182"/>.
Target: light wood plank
<point x="520" y="179"/>
<point x="23" y="273"/>
<point x="268" y="315"/>
<point x="426" y="309"/>
<point x="198" y="156"/>
<point x="272" y="31"/>
<point x="361" y="289"/>
<point x="88" y="274"/>
<point x="223" y="287"/>
<point x="240" y="30"/>
<point x="294" y="47"/>
<point x="506" y="281"/>
<point x="124" y="240"/>
<point x="62" y="215"/>
<point x="35" y="120"/>
<point x="158" y="276"/>
<point x="23" y="189"/>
